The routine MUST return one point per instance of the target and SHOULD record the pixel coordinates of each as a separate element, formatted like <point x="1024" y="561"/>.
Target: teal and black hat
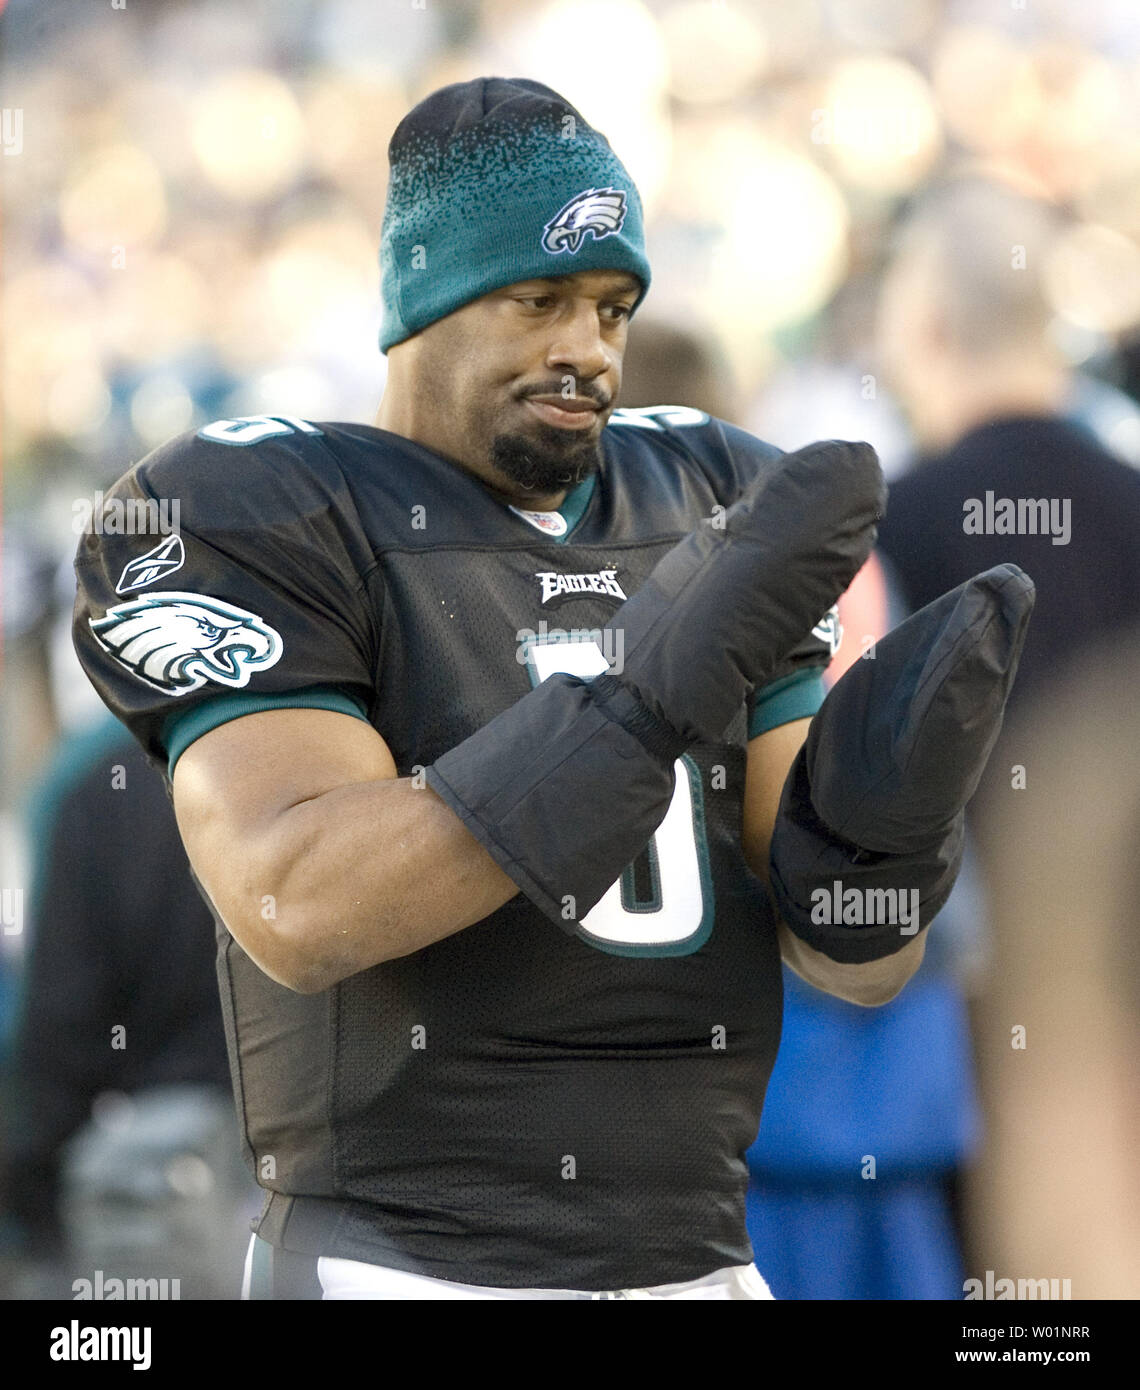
<point x="495" y="181"/>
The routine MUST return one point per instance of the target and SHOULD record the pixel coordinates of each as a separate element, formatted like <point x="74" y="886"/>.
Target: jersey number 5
<point x="662" y="905"/>
<point x="252" y="429"/>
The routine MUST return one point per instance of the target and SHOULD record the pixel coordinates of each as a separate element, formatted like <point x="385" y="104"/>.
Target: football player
<point x="478" y="721"/>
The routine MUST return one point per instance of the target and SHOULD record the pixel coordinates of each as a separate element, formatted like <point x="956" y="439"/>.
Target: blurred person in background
<point x="1004" y="469"/>
<point x="1003" y="473"/>
<point x="1056" y="1195"/>
<point x="665" y="363"/>
<point x="118" y="1137"/>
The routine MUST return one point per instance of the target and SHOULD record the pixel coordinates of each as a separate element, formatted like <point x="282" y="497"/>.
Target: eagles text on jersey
<point x="512" y="1105"/>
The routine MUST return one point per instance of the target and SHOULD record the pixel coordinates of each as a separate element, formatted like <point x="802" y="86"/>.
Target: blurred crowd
<point x="915" y="222"/>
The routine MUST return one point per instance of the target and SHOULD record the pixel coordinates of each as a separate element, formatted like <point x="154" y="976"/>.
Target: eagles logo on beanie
<point x="492" y="182"/>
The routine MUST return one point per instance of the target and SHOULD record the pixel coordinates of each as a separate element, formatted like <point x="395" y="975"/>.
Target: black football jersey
<point x="512" y="1106"/>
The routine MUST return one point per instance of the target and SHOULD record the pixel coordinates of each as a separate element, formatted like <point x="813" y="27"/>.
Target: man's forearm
<point x="359" y="875"/>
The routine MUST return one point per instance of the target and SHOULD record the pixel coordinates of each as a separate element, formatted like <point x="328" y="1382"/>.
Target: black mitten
<point x="725" y="605"/>
<point x="868" y="839"/>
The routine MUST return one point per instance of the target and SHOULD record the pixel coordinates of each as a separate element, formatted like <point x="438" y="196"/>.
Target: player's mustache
<point x="582" y="390"/>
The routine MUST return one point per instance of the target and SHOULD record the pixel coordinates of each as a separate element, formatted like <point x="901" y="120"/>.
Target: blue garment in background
<point x="893" y="1083"/>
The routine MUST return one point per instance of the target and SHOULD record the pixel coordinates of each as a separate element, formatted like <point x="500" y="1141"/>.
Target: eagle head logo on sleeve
<point x="599" y="211"/>
<point x="177" y="642"/>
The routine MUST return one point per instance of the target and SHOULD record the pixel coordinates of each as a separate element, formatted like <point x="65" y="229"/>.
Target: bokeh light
<point x="1083" y="103"/>
<point x="715" y="50"/>
<point x="881" y="24"/>
<point x="1092" y="278"/>
<point x="51" y="326"/>
<point x="78" y="401"/>
<point x="116" y="199"/>
<point x="160" y="408"/>
<point x="782" y="249"/>
<point x="349" y="121"/>
<point x="314" y="268"/>
<point x="618" y="83"/>
<point x="878" y="125"/>
<point x="158" y="304"/>
<point x="248" y="135"/>
<point x="987" y="87"/>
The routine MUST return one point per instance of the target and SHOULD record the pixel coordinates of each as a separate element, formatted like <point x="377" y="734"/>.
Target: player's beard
<point x="546" y="461"/>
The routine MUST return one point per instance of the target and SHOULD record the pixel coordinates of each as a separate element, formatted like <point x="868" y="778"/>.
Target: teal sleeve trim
<point x="797" y="696"/>
<point x="181" y="730"/>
